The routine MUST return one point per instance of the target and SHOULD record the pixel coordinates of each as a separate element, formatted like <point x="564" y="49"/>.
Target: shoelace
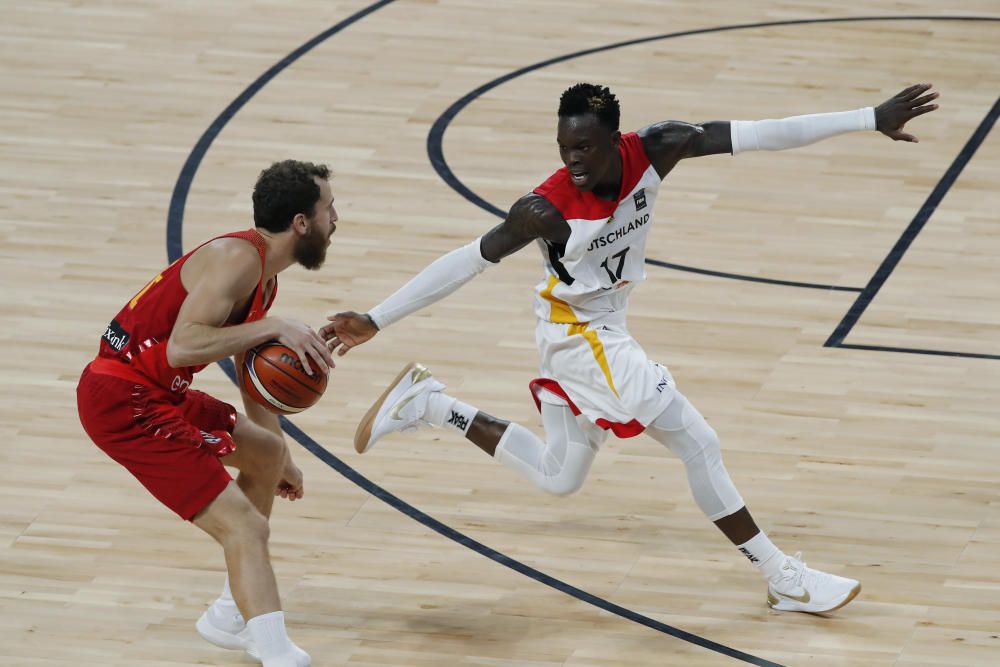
<point x="801" y="570"/>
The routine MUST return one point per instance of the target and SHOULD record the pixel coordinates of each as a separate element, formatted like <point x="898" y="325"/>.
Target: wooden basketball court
<point x="877" y="456"/>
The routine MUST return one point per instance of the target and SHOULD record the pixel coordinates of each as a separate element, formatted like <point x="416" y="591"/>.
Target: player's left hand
<point x="347" y="330"/>
<point x="290" y="487"/>
<point x="895" y="112"/>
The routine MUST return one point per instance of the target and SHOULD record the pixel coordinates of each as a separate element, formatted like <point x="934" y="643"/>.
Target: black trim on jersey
<point x="556" y="252"/>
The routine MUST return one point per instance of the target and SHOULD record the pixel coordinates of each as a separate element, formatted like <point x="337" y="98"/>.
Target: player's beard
<point x="310" y="250"/>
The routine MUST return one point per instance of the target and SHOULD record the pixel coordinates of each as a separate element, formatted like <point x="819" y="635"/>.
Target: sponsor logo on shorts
<point x="116" y="336"/>
<point x="179" y="385"/>
<point x="210" y="439"/>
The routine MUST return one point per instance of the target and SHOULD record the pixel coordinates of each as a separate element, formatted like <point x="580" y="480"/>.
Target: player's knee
<point x="707" y="440"/>
<point x="686" y="433"/>
<point x="248" y="527"/>
<point x="262" y="451"/>
<point x="272" y="452"/>
<point x="564" y="482"/>
<point x="562" y="486"/>
<point x="233" y="520"/>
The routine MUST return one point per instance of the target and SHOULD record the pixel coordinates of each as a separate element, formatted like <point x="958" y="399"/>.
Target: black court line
<point x="178" y="200"/>
<point x="883" y="272"/>
<point x="917" y="350"/>
<point x="753" y="279"/>
<point x="175" y="223"/>
<point x="435" y="139"/>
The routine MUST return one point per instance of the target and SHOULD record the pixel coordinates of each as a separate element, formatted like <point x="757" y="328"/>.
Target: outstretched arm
<point x="524" y="223"/>
<point x="668" y="142"/>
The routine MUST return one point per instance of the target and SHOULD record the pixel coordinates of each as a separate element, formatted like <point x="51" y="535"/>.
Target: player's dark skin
<point x="589" y="150"/>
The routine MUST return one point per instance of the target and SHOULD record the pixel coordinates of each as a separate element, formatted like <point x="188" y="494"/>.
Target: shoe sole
<point x="775" y="603"/>
<point x="364" y="432"/>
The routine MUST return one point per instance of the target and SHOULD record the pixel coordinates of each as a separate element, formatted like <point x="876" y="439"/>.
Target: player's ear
<point x="616" y="138"/>
<point x="300" y="224"/>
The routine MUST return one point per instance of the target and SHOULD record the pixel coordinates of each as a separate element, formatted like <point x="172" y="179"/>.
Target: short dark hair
<point x="591" y="98"/>
<point x="284" y="190"/>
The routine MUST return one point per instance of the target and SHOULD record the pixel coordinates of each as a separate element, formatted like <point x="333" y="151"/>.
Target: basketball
<point x="273" y="377"/>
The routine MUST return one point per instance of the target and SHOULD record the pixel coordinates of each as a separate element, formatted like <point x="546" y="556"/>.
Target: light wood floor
<point x="880" y="465"/>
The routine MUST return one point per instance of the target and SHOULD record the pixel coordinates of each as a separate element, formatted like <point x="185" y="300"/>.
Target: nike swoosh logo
<point x="394" y="413"/>
<point x="804" y="598"/>
<point x="418" y="374"/>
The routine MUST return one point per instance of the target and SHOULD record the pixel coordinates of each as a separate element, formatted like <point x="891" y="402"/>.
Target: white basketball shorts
<point x="601" y="372"/>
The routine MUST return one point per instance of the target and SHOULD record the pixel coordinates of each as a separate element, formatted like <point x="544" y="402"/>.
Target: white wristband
<point x="776" y="135"/>
<point x="442" y="277"/>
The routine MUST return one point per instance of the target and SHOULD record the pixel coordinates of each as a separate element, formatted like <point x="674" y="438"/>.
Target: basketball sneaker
<point x="801" y="588"/>
<point x="401" y="407"/>
<point x="223" y="625"/>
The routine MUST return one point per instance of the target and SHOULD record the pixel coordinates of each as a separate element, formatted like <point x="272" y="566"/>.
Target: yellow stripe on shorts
<point x="598" y="349"/>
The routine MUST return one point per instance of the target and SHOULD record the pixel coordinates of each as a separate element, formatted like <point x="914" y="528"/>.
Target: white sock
<point x="269" y="636"/>
<point x="445" y="410"/>
<point x="226" y="597"/>
<point x="762" y="552"/>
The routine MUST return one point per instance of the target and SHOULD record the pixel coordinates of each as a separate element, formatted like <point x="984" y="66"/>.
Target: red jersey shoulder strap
<point x="574" y="204"/>
<point x="255" y="238"/>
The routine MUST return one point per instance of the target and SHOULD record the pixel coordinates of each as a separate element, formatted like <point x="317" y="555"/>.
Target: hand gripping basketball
<point x="273" y="376"/>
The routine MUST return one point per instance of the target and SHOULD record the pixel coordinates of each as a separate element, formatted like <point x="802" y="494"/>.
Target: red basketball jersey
<point x="137" y="336"/>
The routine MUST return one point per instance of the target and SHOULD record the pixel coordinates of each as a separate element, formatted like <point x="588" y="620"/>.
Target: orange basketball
<point x="273" y="376"/>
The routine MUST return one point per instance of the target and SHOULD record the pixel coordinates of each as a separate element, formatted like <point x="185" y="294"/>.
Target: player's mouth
<point x="579" y="178"/>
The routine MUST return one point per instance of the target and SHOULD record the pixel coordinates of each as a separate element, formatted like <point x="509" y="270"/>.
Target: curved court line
<point x="178" y="200"/>
<point x="435" y="138"/>
<point x="175" y="222"/>
<point x="752" y="279"/>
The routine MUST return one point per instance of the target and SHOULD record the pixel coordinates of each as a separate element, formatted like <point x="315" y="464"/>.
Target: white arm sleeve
<point x="776" y="135"/>
<point x="442" y="277"/>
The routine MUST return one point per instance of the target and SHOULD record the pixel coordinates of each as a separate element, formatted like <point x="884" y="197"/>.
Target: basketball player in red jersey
<point x="135" y="402"/>
<point x="590" y="220"/>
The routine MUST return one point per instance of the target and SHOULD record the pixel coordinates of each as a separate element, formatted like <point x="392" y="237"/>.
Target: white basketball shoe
<point x="400" y="408"/>
<point x="224" y="626"/>
<point x="801" y="588"/>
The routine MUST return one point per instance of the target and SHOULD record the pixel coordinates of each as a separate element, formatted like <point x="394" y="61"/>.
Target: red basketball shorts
<point x="171" y="445"/>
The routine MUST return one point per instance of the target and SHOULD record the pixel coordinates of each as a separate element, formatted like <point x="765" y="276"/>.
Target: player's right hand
<point x="347" y="330"/>
<point x="306" y="344"/>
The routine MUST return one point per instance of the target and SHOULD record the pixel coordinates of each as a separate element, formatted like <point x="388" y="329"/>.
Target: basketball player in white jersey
<point x="590" y="220"/>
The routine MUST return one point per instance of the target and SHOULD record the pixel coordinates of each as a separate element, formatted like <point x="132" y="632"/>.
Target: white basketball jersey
<point x="605" y="257"/>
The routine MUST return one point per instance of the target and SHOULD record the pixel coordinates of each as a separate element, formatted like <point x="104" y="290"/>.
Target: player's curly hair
<point x="591" y="98"/>
<point x="284" y="190"/>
